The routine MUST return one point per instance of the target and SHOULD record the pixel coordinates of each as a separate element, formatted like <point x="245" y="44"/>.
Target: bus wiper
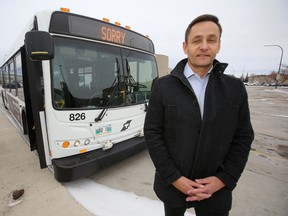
<point x="113" y="88"/>
<point x="130" y="81"/>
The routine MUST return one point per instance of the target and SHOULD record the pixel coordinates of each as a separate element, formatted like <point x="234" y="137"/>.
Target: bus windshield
<point x="87" y="75"/>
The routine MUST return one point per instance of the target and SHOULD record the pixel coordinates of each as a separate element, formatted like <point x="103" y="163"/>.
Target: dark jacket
<point x="180" y="143"/>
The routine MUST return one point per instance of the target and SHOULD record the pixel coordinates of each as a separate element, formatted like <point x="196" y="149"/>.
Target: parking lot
<point x="262" y="189"/>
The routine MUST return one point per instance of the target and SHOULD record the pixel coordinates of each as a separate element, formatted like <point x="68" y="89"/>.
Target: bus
<point x="78" y="87"/>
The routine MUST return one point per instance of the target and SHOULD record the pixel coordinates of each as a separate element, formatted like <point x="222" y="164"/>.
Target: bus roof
<point x="59" y="22"/>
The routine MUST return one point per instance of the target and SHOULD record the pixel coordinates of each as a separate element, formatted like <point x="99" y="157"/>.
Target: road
<point x="262" y="189"/>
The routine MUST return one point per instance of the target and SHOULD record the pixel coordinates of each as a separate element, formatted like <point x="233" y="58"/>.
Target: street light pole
<point x="278" y="75"/>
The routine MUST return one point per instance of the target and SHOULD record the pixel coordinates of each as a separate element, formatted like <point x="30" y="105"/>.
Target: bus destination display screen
<point x="70" y="24"/>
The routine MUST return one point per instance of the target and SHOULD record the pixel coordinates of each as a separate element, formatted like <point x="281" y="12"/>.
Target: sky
<point x="248" y="25"/>
<point x="105" y="201"/>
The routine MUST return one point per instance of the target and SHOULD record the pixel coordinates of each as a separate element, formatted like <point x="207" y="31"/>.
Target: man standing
<point x="197" y="128"/>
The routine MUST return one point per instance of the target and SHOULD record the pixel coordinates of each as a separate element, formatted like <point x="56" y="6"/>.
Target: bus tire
<point x="4" y="101"/>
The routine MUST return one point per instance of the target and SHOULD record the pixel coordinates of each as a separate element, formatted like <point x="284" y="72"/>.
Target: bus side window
<point x="5" y="77"/>
<point x="12" y="80"/>
<point x="19" y="77"/>
<point x="1" y="76"/>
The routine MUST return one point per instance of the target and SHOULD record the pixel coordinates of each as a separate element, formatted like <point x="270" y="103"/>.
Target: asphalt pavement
<point x="262" y="189"/>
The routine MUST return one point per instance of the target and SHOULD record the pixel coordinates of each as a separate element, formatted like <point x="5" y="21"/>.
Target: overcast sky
<point x="248" y="25"/>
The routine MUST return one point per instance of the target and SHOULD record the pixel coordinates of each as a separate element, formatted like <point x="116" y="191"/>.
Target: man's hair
<point x="203" y="18"/>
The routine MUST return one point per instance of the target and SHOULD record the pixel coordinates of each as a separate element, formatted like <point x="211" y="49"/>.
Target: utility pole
<point x="278" y="74"/>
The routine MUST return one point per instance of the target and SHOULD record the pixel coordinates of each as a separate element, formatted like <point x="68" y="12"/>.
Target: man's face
<point x="202" y="46"/>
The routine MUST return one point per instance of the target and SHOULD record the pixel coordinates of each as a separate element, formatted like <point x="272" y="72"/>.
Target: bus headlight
<point x="76" y="143"/>
<point x="87" y="142"/>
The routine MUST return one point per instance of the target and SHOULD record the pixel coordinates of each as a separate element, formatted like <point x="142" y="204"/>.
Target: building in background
<point x="162" y="62"/>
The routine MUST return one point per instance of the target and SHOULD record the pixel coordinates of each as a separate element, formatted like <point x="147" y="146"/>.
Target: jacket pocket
<point x="184" y="166"/>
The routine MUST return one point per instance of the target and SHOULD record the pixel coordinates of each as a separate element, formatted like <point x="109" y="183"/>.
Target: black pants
<point x="181" y="211"/>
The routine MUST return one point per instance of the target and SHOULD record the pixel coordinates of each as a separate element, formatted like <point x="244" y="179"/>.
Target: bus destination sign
<point x="112" y="35"/>
<point x="71" y="24"/>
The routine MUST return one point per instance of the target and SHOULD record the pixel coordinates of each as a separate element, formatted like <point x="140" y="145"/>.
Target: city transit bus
<point x="79" y="88"/>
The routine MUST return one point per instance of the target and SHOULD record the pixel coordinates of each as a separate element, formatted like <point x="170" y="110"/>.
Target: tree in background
<point x="246" y="78"/>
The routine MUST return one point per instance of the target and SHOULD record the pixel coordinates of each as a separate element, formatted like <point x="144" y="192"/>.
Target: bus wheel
<point x="24" y="123"/>
<point x="4" y="101"/>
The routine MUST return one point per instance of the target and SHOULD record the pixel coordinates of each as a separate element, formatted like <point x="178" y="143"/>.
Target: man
<point x="197" y="128"/>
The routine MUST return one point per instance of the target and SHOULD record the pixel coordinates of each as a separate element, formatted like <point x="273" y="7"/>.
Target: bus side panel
<point x="34" y="104"/>
<point x="14" y="108"/>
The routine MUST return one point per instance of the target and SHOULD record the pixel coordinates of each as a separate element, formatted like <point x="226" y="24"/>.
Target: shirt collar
<point x="188" y="72"/>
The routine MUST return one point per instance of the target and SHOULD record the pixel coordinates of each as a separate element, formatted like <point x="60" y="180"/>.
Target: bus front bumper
<point x="85" y="164"/>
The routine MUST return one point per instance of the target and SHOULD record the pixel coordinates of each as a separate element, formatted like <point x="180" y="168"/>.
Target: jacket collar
<point x="218" y="68"/>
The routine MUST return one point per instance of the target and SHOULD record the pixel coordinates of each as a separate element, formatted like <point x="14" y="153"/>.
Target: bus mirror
<point x="39" y="45"/>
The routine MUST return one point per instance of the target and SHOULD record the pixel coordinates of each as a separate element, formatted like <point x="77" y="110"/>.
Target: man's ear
<point x="184" y="47"/>
<point x="219" y="46"/>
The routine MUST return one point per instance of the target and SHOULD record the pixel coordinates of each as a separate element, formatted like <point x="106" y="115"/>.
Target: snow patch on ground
<point x="105" y="201"/>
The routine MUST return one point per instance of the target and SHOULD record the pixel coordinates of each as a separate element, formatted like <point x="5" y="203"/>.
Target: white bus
<point x="79" y="88"/>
